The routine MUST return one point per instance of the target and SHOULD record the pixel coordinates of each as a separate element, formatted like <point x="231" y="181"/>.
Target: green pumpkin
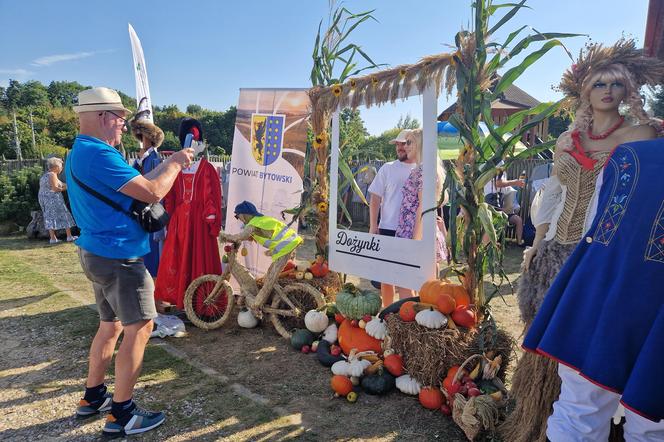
<point x="300" y="338"/>
<point x="354" y="303"/>
<point x="379" y="383"/>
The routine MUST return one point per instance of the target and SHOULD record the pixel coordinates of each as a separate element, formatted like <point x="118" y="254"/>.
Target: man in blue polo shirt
<point x="111" y="245"/>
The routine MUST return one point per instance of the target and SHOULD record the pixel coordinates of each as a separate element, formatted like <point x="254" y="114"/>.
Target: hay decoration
<point x="595" y="57"/>
<point x="476" y="414"/>
<point x="429" y="353"/>
<point x="383" y="86"/>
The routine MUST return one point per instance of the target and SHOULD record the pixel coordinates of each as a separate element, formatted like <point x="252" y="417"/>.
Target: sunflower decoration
<point x="374" y="81"/>
<point x="322" y="207"/>
<point x="320" y="169"/>
<point x="402" y="73"/>
<point x="353" y="83"/>
<point x="337" y="89"/>
<point x="320" y="140"/>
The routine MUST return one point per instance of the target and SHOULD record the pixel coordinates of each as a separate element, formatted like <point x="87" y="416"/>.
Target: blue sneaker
<point x="134" y="422"/>
<point x="86" y="408"/>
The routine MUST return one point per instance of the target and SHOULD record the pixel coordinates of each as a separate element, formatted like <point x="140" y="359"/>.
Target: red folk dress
<point x="190" y="249"/>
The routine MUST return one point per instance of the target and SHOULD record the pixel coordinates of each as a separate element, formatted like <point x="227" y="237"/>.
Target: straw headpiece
<point x="595" y="57"/>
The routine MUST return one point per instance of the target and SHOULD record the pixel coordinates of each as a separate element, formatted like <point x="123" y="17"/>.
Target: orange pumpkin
<point x="431" y="290"/>
<point x="460" y="294"/>
<point x="446" y="304"/>
<point x="464" y="316"/>
<point x="355" y="337"/>
<point x="341" y="385"/>
<point x="407" y="311"/>
<point x="394" y="364"/>
<point x="431" y="398"/>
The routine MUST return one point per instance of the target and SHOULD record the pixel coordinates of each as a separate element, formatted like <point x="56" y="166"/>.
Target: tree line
<point x="49" y="110"/>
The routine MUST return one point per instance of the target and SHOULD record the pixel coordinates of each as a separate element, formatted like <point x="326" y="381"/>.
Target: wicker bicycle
<point x="209" y="299"/>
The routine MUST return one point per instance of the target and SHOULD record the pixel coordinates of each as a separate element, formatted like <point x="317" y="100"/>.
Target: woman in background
<point x="410" y="215"/>
<point x="56" y="215"/>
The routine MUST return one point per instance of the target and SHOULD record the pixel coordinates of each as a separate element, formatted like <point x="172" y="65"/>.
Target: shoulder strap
<point x="96" y="194"/>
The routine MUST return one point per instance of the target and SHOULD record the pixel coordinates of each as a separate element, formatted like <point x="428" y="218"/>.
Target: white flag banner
<point x="143" y="101"/>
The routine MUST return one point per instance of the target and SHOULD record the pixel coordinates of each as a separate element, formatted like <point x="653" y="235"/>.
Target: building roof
<point x="512" y="98"/>
<point x="654" y="38"/>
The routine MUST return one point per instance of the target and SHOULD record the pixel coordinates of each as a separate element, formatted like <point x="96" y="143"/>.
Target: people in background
<point x="56" y="215"/>
<point x="386" y="196"/>
<point x="500" y="193"/>
<point x="410" y="213"/>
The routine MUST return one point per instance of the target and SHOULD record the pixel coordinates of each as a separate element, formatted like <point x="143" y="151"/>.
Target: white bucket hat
<point x="99" y="99"/>
<point x="402" y="137"/>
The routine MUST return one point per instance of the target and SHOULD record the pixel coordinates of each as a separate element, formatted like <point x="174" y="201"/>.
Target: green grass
<point x="55" y="331"/>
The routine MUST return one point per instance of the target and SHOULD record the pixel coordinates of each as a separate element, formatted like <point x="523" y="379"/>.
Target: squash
<point x="446" y="304"/>
<point x="300" y="338"/>
<point x="246" y="319"/>
<point x="431" y="398"/>
<point x="353" y="367"/>
<point x="319" y="267"/>
<point x="316" y="321"/>
<point x="431" y="290"/>
<point x="408" y="385"/>
<point x="464" y="317"/>
<point x="431" y="318"/>
<point x="323" y="354"/>
<point x="460" y="294"/>
<point x="356" y="338"/>
<point x="407" y="311"/>
<point x="379" y="383"/>
<point x="330" y="333"/>
<point x="376" y="328"/>
<point x="395" y="306"/>
<point x="354" y="303"/>
<point x="341" y="385"/>
<point x="394" y="364"/>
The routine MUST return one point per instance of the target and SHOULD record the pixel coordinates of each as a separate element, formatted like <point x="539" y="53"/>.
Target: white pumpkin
<point x="352" y="367"/>
<point x="408" y="385"/>
<point x="308" y="276"/>
<point x="246" y="319"/>
<point x="376" y="328"/>
<point x="316" y="321"/>
<point x="330" y="333"/>
<point x="431" y="318"/>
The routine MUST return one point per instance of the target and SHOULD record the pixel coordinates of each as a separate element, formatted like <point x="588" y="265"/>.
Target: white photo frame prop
<point x="403" y="262"/>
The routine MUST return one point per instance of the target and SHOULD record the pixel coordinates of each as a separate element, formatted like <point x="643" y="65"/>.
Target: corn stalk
<point x="334" y="61"/>
<point x="476" y="234"/>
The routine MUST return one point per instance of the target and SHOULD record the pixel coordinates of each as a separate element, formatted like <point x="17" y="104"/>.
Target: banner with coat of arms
<point x="267" y="162"/>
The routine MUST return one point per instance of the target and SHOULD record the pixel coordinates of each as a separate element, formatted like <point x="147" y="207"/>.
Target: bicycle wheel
<point x="303" y="297"/>
<point x="204" y="310"/>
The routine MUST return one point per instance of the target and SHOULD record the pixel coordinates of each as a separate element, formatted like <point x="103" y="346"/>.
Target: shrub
<point x="18" y="194"/>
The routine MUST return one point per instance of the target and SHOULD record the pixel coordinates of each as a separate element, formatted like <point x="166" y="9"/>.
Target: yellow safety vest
<point x="283" y="241"/>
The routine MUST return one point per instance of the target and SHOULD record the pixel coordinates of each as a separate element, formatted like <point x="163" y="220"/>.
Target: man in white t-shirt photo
<point x="386" y="198"/>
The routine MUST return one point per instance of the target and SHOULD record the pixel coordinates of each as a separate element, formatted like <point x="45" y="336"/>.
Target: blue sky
<point x="202" y="52"/>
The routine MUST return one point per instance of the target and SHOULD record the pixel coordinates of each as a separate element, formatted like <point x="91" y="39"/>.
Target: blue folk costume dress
<point x="604" y="314"/>
<point x="148" y="164"/>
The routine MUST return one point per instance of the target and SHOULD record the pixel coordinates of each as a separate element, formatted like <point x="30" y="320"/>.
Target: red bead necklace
<point x="611" y="130"/>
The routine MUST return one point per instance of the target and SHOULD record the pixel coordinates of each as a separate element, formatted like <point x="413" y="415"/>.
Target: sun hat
<point x="99" y="99"/>
<point x="247" y="208"/>
<point x="402" y="137"/>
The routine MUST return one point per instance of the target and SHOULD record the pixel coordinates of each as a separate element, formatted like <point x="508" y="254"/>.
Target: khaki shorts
<point x="123" y="288"/>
